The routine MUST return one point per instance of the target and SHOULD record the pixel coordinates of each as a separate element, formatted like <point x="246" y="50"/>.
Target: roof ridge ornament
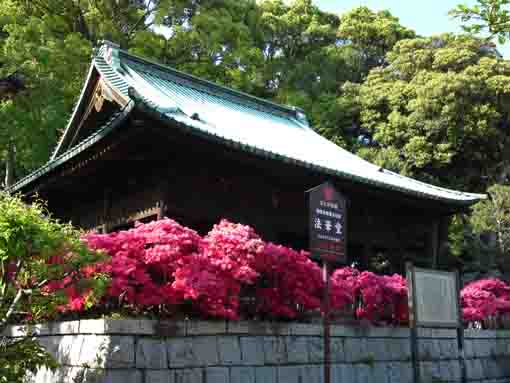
<point x="301" y="116"/>
<point x="111" y="54"/>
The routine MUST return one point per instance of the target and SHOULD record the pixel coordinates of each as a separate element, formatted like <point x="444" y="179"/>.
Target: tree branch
<point x="10" y="311"/>
<point x="142" y="18"/>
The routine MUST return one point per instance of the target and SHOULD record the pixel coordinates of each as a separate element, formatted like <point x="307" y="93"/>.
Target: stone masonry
<point x="145" y="351"/>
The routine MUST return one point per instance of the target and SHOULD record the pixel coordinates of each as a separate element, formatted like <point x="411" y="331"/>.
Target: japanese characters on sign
<point x="328" y="216"/>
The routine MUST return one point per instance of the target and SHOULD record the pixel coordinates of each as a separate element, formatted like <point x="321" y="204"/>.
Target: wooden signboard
<point x="433" y="298"/>
<point x="328" y="223"/>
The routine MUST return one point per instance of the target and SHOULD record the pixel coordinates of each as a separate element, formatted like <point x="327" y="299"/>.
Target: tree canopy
<point x="439" y="111"/>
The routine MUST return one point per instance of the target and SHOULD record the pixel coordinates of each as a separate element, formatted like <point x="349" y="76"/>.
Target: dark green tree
<point x="439" y="111"/>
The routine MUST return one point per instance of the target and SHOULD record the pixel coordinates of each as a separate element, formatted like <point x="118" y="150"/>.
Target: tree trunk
<point x="9" y="165"/>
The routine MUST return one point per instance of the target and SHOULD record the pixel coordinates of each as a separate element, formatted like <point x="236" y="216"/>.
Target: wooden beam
<point x="434" y="244"/>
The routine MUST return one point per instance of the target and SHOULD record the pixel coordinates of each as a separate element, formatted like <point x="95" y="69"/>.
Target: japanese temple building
<point x="146" y="141"/>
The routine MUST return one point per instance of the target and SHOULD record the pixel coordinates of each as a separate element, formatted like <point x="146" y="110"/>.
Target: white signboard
<point x="435" y="298"/>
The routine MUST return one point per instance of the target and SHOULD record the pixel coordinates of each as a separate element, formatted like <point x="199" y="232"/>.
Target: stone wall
<point x="145" y="351"/>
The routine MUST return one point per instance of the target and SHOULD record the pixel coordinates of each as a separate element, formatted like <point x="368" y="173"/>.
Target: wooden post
<point x="106" y="210"/>
<point x="326" y="324"/>
<point x="434" y="244"/>
<point x="415" y="357"/>
<point x="460" y="331"/>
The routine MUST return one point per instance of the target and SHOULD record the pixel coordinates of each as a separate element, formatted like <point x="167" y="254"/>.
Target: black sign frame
<point x="327" y="223"/>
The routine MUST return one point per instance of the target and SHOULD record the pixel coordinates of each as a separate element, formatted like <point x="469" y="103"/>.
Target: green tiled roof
<point x="246" y="122"/>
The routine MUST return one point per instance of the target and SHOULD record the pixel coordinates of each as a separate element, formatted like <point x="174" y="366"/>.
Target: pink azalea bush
<point x="167" y="268"/>
<point x="485" y="298"/>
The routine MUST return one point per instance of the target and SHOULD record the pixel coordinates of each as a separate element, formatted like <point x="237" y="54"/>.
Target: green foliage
<point x="35" y="251"/>
<point x="20" y="356"/>
<point x="486" y="16"/>
<point x="493" y="215"/>
<point x="372" y="34"/>
<point x="439" y="110"/>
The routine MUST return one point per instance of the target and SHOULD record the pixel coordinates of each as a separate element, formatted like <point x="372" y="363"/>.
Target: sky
<point x="426" y="17"/>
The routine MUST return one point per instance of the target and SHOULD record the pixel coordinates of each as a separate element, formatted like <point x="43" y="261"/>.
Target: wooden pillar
<point x="434" y="244"/>
<point x="365" y="256"/>
<point x="107" y="203"/>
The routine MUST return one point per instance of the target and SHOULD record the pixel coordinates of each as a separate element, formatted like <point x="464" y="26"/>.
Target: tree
<point x="439" y="111"/>
<point x="493" y="216"/>
<point x="372" y="34"/>
<point x="36" y="251"/>
<point x="490" y="17"/>
<point x="364" y="39"/>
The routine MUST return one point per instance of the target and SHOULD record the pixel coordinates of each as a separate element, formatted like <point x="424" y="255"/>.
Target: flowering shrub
<point x="384" y="297"/>
<point x="166" y="268"/>
<point x="485" y="298"/>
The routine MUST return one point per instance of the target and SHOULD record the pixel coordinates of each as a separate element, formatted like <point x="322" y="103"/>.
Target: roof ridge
<point x="292" y="111"/>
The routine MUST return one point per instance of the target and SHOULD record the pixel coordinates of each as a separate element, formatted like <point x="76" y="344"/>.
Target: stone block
<point x="297" y="349"/>
<point x="192" y="351"/>
<point x="217" y="375"/>
<point x="51" y="344"/>
<point x="92" y="326"/>
<point x="312" y="374"/>
<point x="406" y="371"/>
<point x="181" y="353"/>
<point x="229" y="350"/>
<point x="114" y="376"/>
<point x="169" y="328"/>
<point x="449" y="370"/>
<point x="159" y="376"/>
<point x="118" y="353"/>
<point x="55" y="328"/>
<point x="305" y="329"/>
<point x="395" y="373"/>
<point x="355" y="349"/>
<point x="501" y="347"/>
<point x="129" y="326"/>
<point x="482" y="348"/>
<point x="242" y="375"/>
<point x="16" y="331"/>
<point x="379" y="373"/>
<point x="344" y="331"/>
<point x="151" y="353"/>
<point x="474" y="369"/>
<point x="278" y="328"/>
<point x="67" y="350"/>
<point x="398" y="349"/>
<point x="448" y="348"/>
<point x="252" y="351"/>
<point x="206" y="350"/>
<point x="379" y="348"/>
<point x="428" y="349"/>
<point x="343" y="373"/>
<point x="469" y="351"/>
<point x="316" y="349"/>
<point x="60" y="375"/>
<point x="266" y="374"/>
<point x="363" y="373"/>
<point x="248" y="327"/>
<point x="192" y="375"/>
<point x="429" y="371"/>
<point x="198" y="327"/>
<point x="289" y="374"/>
<point x="337" y="349"/>
<point x="274" y="350"/>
